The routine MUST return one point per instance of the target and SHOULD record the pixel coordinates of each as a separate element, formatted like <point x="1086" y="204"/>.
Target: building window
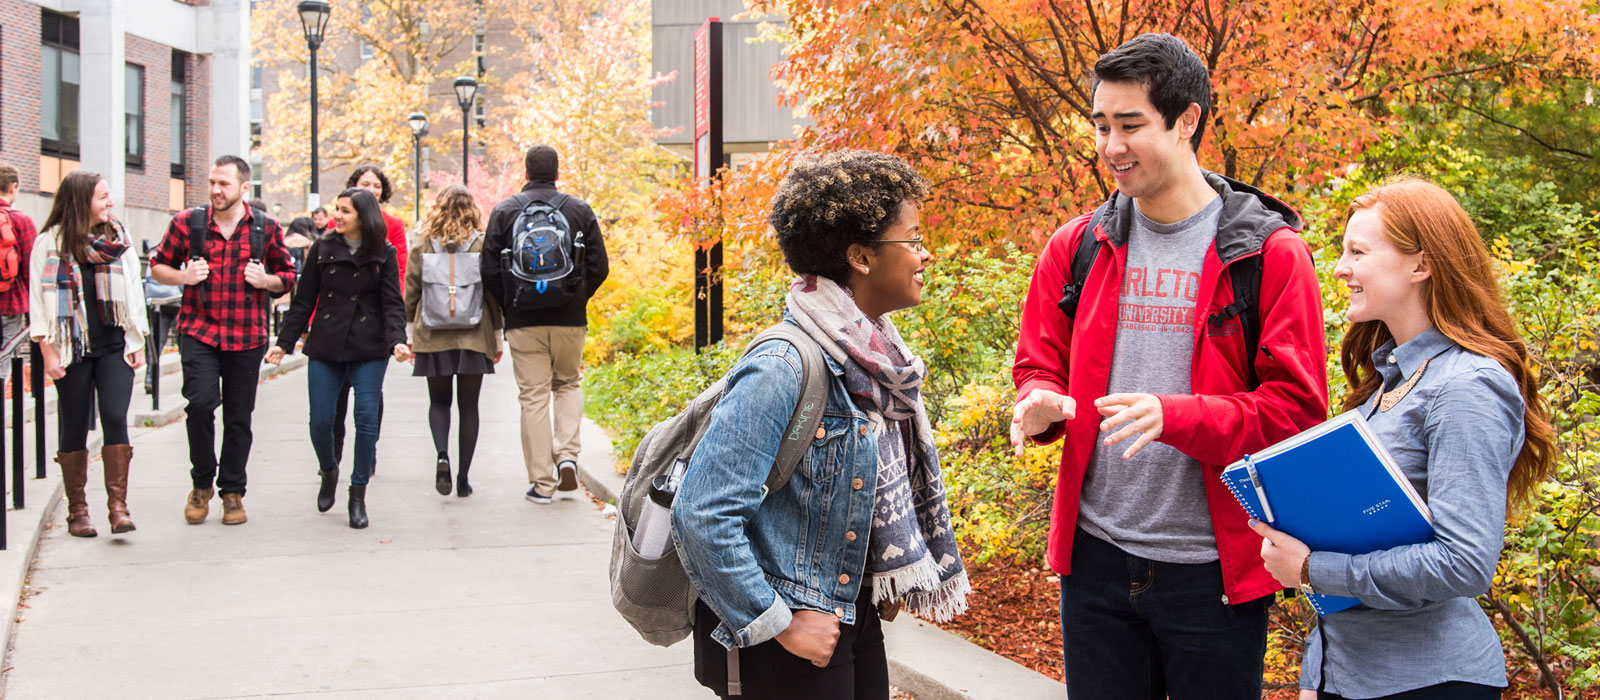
<point x="177" y="144"/>
<point x="59" y="93"/>
<point x="366" y="48"/>
<point x="133" y="114"/>
<point x="480" y="110"/>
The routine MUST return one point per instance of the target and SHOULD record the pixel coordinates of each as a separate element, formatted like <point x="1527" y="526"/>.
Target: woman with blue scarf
<point x="88" y="318"/>
<point x="793" y="584"/>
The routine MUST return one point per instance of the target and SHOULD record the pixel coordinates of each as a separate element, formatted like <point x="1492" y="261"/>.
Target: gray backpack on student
<point x="655" y="595"/>
<point x="452" y="287"/>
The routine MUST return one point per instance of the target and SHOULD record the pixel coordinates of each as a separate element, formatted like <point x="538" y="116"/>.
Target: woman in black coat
<point x="350" y="283"/>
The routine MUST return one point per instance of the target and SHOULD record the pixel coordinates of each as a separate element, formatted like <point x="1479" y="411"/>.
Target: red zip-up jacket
<point x="1223" y="419"/>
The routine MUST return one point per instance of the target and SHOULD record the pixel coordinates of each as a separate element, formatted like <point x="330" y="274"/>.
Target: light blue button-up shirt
<point x="1456" y="436"/>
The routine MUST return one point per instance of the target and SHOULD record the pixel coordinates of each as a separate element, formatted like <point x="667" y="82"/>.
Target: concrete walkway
<point x="442" y="597"/>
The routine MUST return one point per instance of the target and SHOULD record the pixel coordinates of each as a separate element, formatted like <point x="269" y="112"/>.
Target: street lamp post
<point x="466" y="89"/>
<point x="314" y="21"/>
<point x="419" y="129"/>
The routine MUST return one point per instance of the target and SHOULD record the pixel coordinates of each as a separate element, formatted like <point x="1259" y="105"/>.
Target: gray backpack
<point x="654" y="595"/>
<point x="452" y="287"/>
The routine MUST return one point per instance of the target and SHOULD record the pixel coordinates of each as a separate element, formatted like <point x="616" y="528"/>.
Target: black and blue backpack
<point x="544" y="260"/>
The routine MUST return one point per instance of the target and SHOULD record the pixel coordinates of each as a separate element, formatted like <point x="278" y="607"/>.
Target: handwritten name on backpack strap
<point x="807" y="411"/>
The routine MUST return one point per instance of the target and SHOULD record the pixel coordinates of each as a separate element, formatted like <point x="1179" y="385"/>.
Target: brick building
<point x="132" y="89"/>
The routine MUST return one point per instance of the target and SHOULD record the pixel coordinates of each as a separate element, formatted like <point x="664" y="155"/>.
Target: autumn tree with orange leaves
<point x="990" y="98"/>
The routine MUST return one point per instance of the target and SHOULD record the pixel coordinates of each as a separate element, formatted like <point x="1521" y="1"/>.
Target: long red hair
<point x="1464" y="302"/>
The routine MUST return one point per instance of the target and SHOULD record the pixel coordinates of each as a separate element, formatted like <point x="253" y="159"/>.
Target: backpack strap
<point x="258" y="235"/>
<point x="1246" y="276"/>
<point x="1082" y="261"/>
<point x="199" y="223"/>
<point x="807" y="411"/>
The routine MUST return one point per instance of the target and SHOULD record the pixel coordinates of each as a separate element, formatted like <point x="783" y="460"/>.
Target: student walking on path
<point x="231" y="261"/>
<point x="457" y="337"/>
<point x="546" y="313"/>
<point x="1436" y="366"/>
<point x="89" y="321"/>
<point x="349" y="282"/>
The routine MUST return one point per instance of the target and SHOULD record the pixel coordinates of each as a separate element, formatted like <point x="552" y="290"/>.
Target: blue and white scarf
<point x="912" y="551"/>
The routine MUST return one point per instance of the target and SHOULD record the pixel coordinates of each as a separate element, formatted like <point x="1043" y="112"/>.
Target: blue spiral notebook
<point x="1335" y="488"/>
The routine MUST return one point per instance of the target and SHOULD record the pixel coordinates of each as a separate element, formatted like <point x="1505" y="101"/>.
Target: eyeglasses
<point x="916" y="243"/>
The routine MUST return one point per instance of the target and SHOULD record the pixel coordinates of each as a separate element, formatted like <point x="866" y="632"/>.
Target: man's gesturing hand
<point x="811" y="635"/>
<point x="1033" y="415"/>
<point x="1136" y="413"/>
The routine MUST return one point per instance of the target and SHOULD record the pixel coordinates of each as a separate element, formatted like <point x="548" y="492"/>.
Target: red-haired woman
<point x="89" y="320"/>
<point x="1436" y="366"/>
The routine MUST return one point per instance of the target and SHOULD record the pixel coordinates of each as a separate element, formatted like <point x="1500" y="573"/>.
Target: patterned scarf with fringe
<point x="62" y="279"/>
<point x="912" y="551"/>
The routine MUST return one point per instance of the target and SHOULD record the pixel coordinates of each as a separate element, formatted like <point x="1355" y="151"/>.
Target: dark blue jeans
<point x="1135" y="628"/>
<point x="326" y="384"/>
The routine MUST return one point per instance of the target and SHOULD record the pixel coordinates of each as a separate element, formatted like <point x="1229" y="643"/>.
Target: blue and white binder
<point x="1335" y="488"/>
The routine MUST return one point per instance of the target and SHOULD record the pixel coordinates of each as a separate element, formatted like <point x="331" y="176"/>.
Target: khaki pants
<point x="548" y="363"/>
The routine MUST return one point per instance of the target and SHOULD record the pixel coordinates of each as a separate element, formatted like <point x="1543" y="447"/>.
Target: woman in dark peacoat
<point x="350" y="286"/>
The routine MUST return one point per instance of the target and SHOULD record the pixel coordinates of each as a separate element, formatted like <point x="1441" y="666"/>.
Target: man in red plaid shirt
<point x="222" y="331"/>
<point x="14" y="301"/>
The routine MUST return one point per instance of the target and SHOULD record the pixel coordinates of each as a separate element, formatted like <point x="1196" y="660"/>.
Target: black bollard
<point x="36" y="360"/>
<point x="18" y="469"/>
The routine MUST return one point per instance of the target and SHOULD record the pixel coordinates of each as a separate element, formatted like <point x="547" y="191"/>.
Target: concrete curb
<point x="924" y="660"/>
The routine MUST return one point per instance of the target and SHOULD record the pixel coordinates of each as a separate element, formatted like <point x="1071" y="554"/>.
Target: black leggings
<point x="859" y="669"/>
<point x="467" y="387"/>
<point x="107" y="376"/>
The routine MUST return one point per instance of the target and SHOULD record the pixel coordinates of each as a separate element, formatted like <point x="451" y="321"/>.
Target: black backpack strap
<point x="1246" y="276"/>
<point x="807" y="411"/>
<point x="1082" y="261"/>
<point x="258" y="234"/>
<point x="199" y="223"/>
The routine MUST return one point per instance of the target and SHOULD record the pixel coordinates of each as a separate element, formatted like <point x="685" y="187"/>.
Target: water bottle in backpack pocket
<point x="543" y="263"/>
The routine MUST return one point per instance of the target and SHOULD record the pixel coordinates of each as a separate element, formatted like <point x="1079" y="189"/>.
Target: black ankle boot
<point x="327" y="492"/>
<point x="358" y="507"/>
<point x="463" y="489"/>
<point x="441" y="475"/>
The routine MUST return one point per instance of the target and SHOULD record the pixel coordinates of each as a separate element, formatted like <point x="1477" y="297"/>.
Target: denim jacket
<point x="754" y="560"/>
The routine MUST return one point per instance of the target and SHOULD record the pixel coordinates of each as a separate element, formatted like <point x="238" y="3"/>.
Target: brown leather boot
<point x="114" y="459"/>
<point x="233" y="509"/>
<point x="74" y="477"/>
<point x="198" y="507"/>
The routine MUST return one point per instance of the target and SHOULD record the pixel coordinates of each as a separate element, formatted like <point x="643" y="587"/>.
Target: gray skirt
<point x="448" y="363"/>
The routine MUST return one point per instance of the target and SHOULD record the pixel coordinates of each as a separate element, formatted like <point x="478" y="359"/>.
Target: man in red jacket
<point x="1163" y="592"/>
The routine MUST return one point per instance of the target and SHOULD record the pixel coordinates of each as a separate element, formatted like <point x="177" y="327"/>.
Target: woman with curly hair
<point x="1435" y="364"/>
<point x="371" y="178"/>
<point x="793" y="583"/>
<point x="89" y="321"/>
<point x="459" y="356"/>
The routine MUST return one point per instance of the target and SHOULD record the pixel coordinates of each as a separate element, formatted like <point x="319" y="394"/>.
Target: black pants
<point x="1136" y="628"/>
<point x="107" y="376"/>
<point x="215" y="378"/>
<point x="859" y="669"/>
<point x="1454" y="690"/>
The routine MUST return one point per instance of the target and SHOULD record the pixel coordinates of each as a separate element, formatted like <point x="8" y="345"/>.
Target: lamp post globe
<point x="314" y="22"/>
<point x="466" y="89"/>
<point x="419" y="128"/>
